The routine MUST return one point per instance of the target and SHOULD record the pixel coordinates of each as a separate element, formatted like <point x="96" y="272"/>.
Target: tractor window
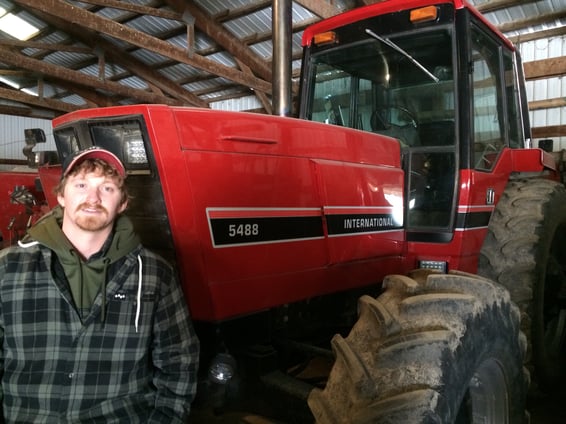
<point x="333" y="99"/>
<point x="488" y="105"/>
<point x="370" y="85"/>
<point x="512" y="94"/>
<point x="341" y="96"/>
<point x="430" y="188"/>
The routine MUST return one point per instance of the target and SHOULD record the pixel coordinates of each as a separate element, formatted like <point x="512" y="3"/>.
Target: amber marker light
<point x="325" y="38"/>
<point x="424" y="14"/>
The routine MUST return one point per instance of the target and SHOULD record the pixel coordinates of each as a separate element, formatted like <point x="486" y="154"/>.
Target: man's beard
<point x="92" y="223"/>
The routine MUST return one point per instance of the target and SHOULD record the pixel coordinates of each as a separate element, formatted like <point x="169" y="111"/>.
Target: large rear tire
<point x="525" y="251"/>
<point x="445" y="349"/>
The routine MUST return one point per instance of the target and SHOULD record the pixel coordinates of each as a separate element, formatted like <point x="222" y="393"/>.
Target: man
<point x="93" y="327"/>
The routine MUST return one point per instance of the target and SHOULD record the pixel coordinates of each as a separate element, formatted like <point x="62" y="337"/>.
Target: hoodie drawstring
<point x="106" y="262"/>
<point x="138" y="298"/>
<point x="81" y="290"/>
<point x="26" y="245"/>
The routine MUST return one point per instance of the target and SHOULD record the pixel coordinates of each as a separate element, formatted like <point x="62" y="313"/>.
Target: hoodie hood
<point x="47" y="231"/>
<point x="86" y="277"/>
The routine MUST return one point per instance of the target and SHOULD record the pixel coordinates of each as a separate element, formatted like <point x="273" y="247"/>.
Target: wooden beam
<point x="59" y="72"/>
<point x="15" y="73"/>
<point x="547" y="104"/>
<point x="123" y="59"/>
<point x="205" y="23"/>
<point x="50" y="104"/>
<point x="494" y="5"/>
<point x="240" y="11"/>
<point x="106" y="26"/>
<point x="45" y="46"/>
<point x="545" y="68"/>
<point x="319" y="8"/>
<point x="91" y="97"/>
<point x="549" y="131"/>
<point x="17" y="111"/>
<point x="136" y="8"/>
<point x="549" y="33"/>
<point x="262" y="97"/>
<point x="530" y="22"/>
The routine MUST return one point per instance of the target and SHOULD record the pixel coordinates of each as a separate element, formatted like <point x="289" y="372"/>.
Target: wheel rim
<point x="486" y="400"/>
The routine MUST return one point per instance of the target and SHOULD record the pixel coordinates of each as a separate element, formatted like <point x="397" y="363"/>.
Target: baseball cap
<point x="93" y="153"/>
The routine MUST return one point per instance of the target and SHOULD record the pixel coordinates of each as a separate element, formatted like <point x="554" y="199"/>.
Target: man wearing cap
<point x="93" y="326"/>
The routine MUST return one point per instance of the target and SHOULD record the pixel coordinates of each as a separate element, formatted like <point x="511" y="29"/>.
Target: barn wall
<point x="547" y="88"/>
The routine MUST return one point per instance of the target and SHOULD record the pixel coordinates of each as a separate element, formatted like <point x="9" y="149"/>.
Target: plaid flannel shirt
<point x="56" y="368"/>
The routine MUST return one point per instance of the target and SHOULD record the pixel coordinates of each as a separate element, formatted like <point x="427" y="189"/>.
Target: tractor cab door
<point x="492" y="125"/>
<point x="495" y="108"/>
<point x="474" y="175"/>
<point x="457" y="174"/>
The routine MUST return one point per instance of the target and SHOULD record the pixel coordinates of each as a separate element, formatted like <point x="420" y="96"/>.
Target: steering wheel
<point x="397" y="122"/>
<point x="404" y="117"/>
<point x="394" y="115"/>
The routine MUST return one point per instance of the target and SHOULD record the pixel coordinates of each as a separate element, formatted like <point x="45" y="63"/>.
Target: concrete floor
<point x="543" y="409"/>
<point x="549" y="409"/>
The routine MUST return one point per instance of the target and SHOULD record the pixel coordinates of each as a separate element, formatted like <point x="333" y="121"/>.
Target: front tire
<point x="446" y="349"/>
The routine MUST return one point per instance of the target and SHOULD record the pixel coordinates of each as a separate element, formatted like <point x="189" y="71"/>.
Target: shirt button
<point x="71" y="375"/>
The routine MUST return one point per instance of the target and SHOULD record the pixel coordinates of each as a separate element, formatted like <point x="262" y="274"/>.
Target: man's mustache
<point x="96" y="207"/>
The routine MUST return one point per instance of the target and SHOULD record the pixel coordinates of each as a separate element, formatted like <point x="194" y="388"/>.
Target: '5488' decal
<point x="243" y="230"/>
<point x="241" y="226"/>
<point x="245" y="226"/>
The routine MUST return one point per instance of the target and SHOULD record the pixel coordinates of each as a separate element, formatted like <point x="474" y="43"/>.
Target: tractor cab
<point x="436" y="79"/>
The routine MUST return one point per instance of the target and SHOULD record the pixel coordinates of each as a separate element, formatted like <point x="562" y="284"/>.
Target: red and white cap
<point x="93" y="153"/>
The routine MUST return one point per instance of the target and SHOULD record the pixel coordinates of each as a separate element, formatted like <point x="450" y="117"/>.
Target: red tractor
<point x="22" y="200"/>
<point x="385" y="235"/>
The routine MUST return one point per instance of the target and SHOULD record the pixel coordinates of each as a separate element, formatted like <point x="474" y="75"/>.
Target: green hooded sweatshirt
<point x="86" y="277"/>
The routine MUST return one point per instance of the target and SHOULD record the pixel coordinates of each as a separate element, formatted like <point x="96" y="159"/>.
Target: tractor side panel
<point x="363" y="210"/>
<point x="287" y="209"/>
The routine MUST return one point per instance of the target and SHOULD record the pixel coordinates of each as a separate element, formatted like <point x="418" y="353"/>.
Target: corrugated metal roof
<point x="523" y="12"/>
<point x="246" y="22"/>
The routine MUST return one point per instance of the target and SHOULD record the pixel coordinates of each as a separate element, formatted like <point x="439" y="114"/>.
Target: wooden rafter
<point x="124" y="33"/>
<point x="97" y="42"/>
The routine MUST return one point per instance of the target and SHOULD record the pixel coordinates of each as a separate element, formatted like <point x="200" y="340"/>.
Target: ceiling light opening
<point x="16" y="26"/>
<point x="10" y="83"/>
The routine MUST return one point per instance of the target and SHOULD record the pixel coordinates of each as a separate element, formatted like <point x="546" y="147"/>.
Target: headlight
<point x="135" y="150"/>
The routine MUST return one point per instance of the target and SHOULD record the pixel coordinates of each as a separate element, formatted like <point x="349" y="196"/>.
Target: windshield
<point x="399" y="85"/>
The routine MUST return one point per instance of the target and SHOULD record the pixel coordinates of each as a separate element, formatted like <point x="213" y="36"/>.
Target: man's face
<point x="91" y="201"/>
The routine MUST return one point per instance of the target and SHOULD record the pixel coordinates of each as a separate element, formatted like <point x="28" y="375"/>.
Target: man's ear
<point x="123" y="207"/>
<point x="61" y="200"/>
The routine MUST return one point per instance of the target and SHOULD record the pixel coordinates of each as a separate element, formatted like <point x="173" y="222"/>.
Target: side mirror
<point x="34" y="136"/>
<point x="36" y="159"/>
